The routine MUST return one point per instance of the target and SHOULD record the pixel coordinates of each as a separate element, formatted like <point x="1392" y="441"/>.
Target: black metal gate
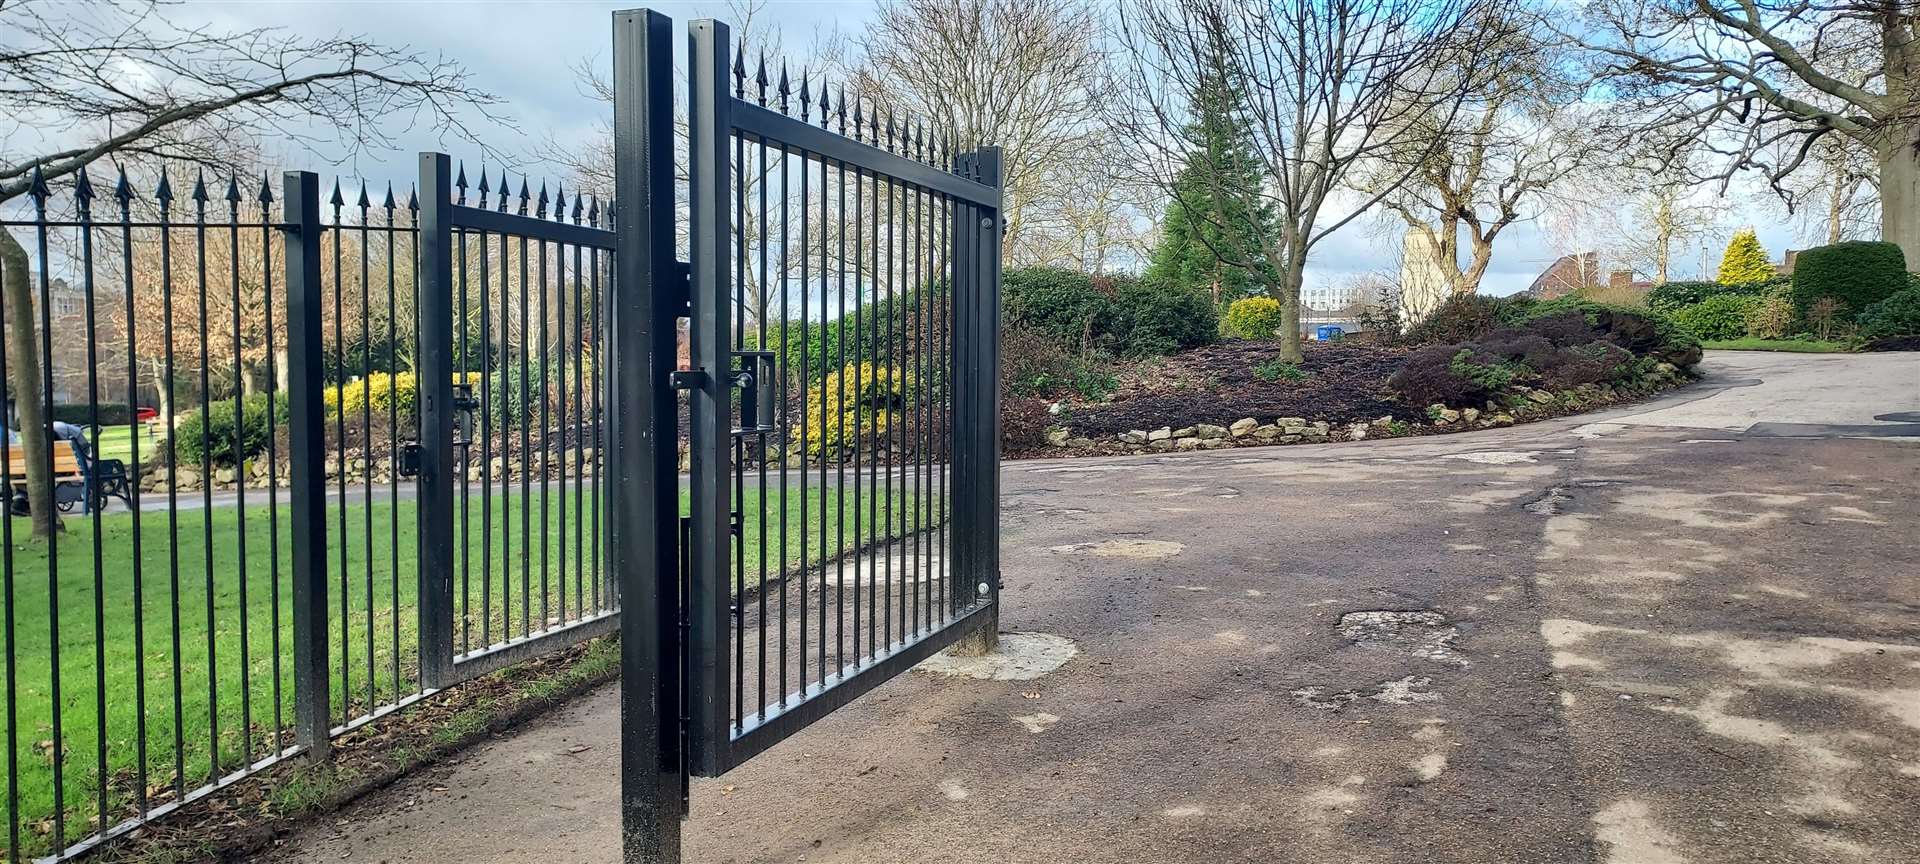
<point x="840" y="515"/>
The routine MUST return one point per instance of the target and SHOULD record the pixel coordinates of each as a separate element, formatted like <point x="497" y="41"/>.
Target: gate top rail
<point x="779" y="130"/>
<point x="539" y="217"/>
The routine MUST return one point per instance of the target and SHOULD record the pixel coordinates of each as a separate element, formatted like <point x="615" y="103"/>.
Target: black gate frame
<point x="676" y="613"/>
<point x="715" y="117"/>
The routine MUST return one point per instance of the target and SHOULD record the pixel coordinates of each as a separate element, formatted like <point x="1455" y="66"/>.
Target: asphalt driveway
<point x="1687" y="631"/>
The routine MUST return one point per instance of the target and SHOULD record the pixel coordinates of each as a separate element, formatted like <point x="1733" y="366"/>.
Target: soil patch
<point x="1340" y="382"/>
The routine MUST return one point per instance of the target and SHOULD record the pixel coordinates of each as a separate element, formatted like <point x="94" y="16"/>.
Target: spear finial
<point x="337" y="199"/>
<point x="123" y="190"/>
<point x="524" y="196"/>
<point x="233" y="190"/>
<point x="760" y="77"/>
<point x="38" y="188"/>
<point x="83" y="189"/>
<point x="364" y="202"/>
<point x="266" y="191"/>
<point x="783" y="87"/>
<point x="163" y="193"/>
<point x="541" y="205"/>
<point x="388" y="203"/>
<point x="199" y="195"/>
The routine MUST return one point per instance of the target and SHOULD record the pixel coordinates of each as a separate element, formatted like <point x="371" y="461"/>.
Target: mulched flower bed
<point x="1346" y="382"/>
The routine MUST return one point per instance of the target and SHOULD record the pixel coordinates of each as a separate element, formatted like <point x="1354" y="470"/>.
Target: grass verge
<point x="1793" y="346"/>
<point x="174" y="628"/>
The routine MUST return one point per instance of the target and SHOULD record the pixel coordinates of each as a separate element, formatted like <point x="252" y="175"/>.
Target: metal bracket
<point x="686" y="379"/>
<point x="410" y="459"/>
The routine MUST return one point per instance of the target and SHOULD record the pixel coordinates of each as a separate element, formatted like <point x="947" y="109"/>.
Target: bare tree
<point x="1840" y="187"/>
<point x="1759" y="83"/>
<point x="1024" y="75"/>
<point x="82" y="83"/>
<point x="1329" y="84"/>
<point x="1516" y="138"/>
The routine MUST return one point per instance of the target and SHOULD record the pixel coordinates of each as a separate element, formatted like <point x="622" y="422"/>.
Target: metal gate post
<point x="710" y="334"/>
<point x="307" y="454"/>
<point x="642" y="424"/>
<point x="435" y="519"/>
<point x="976" y="295"/>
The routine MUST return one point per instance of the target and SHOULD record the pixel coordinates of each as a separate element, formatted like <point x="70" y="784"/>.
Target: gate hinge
<point x="680" y="276"/>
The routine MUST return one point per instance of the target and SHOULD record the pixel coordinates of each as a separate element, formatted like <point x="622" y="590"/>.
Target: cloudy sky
<point x="527" y="52"/>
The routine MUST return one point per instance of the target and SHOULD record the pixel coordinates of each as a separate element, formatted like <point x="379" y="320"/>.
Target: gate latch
<point x="753" y="372"/>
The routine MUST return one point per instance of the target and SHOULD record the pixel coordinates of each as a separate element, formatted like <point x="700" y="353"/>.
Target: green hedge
<point x="1722" y="316"/>
<point x="1670" y="297"/>
<point x="1858" y="273"/>
<point x="1119" y="314"/>
<point x="1154" y="317"/>
<point x="209" y="435"/>
<point x="1898" y="315"/>
<point x="1063" y="304"/>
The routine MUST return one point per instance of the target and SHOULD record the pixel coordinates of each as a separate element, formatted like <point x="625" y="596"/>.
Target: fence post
<point x="307" y="454"/>
<point x="976" y="260"/>
<point x="642" y="422"/>
<point x="435" y="542"/>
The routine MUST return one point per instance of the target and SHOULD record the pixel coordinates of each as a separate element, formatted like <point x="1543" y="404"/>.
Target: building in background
<point x="1424" y="283"/>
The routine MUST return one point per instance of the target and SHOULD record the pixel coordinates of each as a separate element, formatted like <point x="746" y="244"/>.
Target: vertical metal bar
<point x="84" y="202"/>
<point x="7" y="584"/>
<point x="546" y="442"/>
<point x="366" y="438"/>
<point x="57" y="753"/>
<point x="206" y="483"/>
<point x="124" y="193"/>
<point x="393" y="442"/>
<point x="644" y="500"/>
<point x="275" y="399"/>
<point x="864" y="364"/>
<point x="526" y="416"/>
<point x="239" y="479"/>
<point x="165" y="196"/>
<point x="966" y="399"/>
<point x="463" y="368"/>
<point x="767" y="394"/>
<point x="786" y="433"/>
<point x="339" y="350"/>
<point x="708" y="129"/>
<point x="307" y="445"/>
<point x="435" y="382"/>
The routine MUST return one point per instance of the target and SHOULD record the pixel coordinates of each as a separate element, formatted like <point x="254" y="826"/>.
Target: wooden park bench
<point x="69" y="481"/>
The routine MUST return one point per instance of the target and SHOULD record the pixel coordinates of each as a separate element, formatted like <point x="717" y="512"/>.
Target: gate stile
<point x="841" y="386"/>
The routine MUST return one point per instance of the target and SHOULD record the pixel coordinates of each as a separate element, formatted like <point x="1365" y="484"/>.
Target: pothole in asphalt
<point x="1404" y="691"/>
<point x="1123" y="549"/>
<point x="1418" y="633"/>
<point x="1021" y="657"/>
<point x="1548" y="503"/>
<point x="1494" y="457"/>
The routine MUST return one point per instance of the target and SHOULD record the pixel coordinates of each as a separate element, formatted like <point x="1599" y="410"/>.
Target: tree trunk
<point x="1291" y="279"/>
<point x="1482" y="252"/>
<point x="24" y="358"/>
<point x="1900" y="195"/>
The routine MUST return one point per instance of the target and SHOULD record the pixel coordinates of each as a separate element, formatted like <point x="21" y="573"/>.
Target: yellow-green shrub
<point x="852" y="405"/>
<point x="1254" y="318"/>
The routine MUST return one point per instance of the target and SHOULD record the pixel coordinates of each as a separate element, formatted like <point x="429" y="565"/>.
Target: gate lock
<point x="751" y="370"/>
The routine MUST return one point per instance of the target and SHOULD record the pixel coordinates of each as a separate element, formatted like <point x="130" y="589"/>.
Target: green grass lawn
<point x="116" y="442"/>
<point x="1795" y="346"/>
<point x="136" y="637"/>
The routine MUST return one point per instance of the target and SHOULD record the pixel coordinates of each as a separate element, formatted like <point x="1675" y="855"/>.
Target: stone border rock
<point x="1517" y="405"/>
